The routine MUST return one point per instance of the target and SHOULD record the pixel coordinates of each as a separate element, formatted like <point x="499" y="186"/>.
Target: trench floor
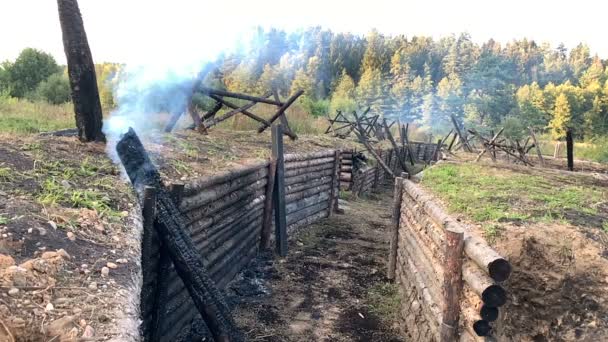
<point x="332" y="286"/>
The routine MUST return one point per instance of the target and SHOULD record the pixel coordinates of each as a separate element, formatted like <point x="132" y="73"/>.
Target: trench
<point x="330" y="287"/>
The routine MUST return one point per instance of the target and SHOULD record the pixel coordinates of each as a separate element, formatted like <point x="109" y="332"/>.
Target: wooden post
<point x="149" y="297"/>
<point x="395" y="147"/>
<point x="392" y="257"/>
<point x="452" y="285"/>
<point x="267" y="225"/>
<point x="437" y="150"/>
<point x="335" y="186"/>
<point x="540" y="155"/>
<point x="280" y="214"/>
<point x="377" y="172"/>
<point x="570" y="149"/>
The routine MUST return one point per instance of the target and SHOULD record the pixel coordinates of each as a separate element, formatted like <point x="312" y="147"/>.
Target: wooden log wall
<point x="347" y="170"/>
<point x="423" y="151"/>
<point x="419" y="264"/>
<point x="312" y="184"/>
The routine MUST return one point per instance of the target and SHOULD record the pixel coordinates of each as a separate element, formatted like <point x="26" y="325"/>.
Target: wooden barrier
<point x="436" y="259"/>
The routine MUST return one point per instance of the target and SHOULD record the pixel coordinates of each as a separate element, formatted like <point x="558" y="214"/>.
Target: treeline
<point x="420" y="79"/>
<point x="415" y="79"/>
<point x="36" y="76"/>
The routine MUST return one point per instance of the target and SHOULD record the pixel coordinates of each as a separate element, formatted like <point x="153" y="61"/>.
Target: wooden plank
<point x="279" y="191"/>
<point x="452" y="285"/>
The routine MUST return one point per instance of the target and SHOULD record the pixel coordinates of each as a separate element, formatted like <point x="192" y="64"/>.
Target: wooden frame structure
<point x="223" y="98"/>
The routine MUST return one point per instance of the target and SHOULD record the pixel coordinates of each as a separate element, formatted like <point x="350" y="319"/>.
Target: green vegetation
<point x="4" y="220"/>
<point x="492" y="195"/>
<point x="383" y="300"/>
<point x="22" y="116"/>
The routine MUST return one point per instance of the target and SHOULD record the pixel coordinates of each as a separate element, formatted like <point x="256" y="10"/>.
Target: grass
<point x="23" y="117"/>
<point x="490" y="195"/>
<point x="383" y="300"/>
<point x="596" y="150"/>
<point x="6" y="174"/>
<point x="4" y="220"/>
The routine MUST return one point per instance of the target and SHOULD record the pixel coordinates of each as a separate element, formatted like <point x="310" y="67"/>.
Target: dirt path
<point x="331" y="287"/>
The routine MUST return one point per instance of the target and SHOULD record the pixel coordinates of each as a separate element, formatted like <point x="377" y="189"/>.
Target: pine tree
<point x="343" y="96"/>
<point x="371" y="91"/>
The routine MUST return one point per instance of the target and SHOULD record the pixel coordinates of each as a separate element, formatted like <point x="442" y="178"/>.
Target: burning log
<point x="174" y="235"/>
<point x="491" y="294"/>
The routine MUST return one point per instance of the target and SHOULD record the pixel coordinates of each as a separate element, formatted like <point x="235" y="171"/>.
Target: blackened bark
<point x="81" y="70"/>
<point x="570" y="149"/>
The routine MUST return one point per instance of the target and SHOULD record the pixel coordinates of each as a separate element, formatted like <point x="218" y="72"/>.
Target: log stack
<point x="347" y="168"/>
<point x="312" y="183"/>
<point x="419" y="269"/>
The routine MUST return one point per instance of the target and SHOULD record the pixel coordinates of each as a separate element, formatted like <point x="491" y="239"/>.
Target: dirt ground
<point x="331" y="287"/>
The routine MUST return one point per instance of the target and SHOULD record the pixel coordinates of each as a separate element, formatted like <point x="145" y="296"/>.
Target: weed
<point x="605" y="226"/>
<point x="6" y="174"/>
<point x="383" y="300"/>
<point x="181" y="167"/>
<point x="488" y="194"/>
<point x="4" y="220"/>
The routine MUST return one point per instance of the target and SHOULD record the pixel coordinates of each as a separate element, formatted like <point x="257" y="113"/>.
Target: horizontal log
<point x="308" y="220"/>
<point x="415" y="216"/>
<point x="202" y="213"/>
<point x="308" y="177"/>
<point x="488" y="313"/>
<point x="291" y="189"/>
<point x="248" y="238"/>
<point x="310" y="169"/>
<point x="476" y="248"/>
<point x="491" y="294"/>
<point x="236" y="267"/>
<point x="309" y="162"/>
<point x="305" y="156"/>
<point x="221" y="256"/>
<point x="308" y="211"/>
<point x="346" y="168"/>
<point x="469" y="321"/>
<point x="220" y="235"/>
<point x="431" y="309"/>
<point x="344" y="177"/>
<point x="294" y="206"/>
<point x="223" y="93"/>
<point x="413" y="254"/>
<point x="206" y="229"/>
<point x="197" y="185"/>
<point x="213" y="193"/>
<point x="291" y="197"/>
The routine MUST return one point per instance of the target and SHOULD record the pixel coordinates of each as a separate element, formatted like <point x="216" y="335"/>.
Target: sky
<point x="155" y="31"/>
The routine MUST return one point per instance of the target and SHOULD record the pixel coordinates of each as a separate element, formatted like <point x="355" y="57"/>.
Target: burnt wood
<point x="280" y="213"/>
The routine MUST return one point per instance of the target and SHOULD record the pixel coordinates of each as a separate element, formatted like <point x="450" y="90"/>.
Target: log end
<point x="488" y="313"/>
<point x="494" y="296"/>
<point x="499" y="269"/>
<point x="482" y="328"/>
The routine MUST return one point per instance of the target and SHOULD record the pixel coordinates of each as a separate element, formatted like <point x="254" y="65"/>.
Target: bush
<point x="54" y="90"/>
<point x="315" y="108"/>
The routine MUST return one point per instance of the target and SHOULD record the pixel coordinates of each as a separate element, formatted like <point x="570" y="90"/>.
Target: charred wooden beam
<point x="281" y="111"/>
<point x="395" y="148"/>
<point x="491" y="294"/>
<point x="223" y="93"/>
<point x="229" y="104"/>
<point x="173" y="233"/>
<point x="570" y="149"/>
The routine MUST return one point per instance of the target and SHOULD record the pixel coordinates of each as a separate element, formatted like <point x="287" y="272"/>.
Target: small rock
<point x="30" y="230"/>
<point x="71" y="236"/>
<point x="61" y="301"/>
<point x="41" y="231"/>
<point x="63" y="254"/>
<point x="89" y="332"/>
<point x="41" y="266"/>
<point x="122" y="261"/>
<point x="13" y="292"/>
<point x="93" y="286"/>
<point x="72" y="334"/>
<point x="124" y="213"/>
<point x="49" y="255"/>
<point x="116" y="238"/>
<point x="84" y="266"/>
<point x="66" y="184"/>
<point x="77" y="311"/>
<point x="112" y="265"/>
<point x="82" y="323"/>
<point x="5" y="235"/>
<point x="49" y="307"/>
<point x="105" y="271"/>
<point x="53" y="224"/>
<point x="18" y="322"/>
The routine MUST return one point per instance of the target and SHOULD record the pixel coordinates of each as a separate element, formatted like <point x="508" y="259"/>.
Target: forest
<point x="422" y="80"/>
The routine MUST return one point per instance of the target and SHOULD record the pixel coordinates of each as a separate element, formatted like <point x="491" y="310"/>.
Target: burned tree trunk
<point x="81" y="70"/>
<point x="570" y="149"/>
